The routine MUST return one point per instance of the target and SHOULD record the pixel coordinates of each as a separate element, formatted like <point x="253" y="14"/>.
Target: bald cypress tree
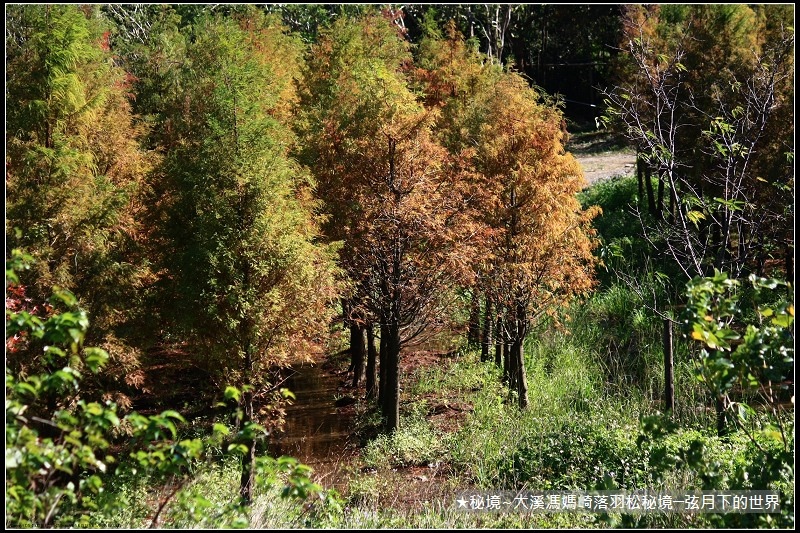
<point x="75" y="174"/>
<point x="385" y="180"/>
<point x="249" y="280"/>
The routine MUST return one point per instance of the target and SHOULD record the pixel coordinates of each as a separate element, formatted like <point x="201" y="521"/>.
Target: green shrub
<point x="414" y="443"/>
<point x="578" y="454"/>
<point x="58" y="462"/>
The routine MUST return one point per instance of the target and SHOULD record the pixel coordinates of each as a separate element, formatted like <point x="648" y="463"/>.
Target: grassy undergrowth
<point x="581" y="432"/>
<point x="592" y="389"/>
<point x="575" y="435"/>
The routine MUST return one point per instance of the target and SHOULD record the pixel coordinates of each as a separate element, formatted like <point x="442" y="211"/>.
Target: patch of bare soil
<point x="602" y="156"/>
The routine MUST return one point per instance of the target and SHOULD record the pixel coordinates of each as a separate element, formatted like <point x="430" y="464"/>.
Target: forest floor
<point x="602" y="156"/>
<point x="410" y="486"/>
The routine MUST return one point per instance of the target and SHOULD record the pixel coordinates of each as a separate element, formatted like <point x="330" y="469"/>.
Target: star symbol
<point x="462" y="503"/>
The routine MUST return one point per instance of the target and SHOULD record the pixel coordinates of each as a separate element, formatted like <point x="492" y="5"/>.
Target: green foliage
<point x="616" y="321"/>
<point x="240" y="228"/>
<point x="75" y="173"/>
<point x="615" y="197"/>
<point x="576" y="434"/>
<point x="718" y="171"/>
<point x="54" y="438"/>
<point x="730" y="364"/>
<point x="760" y="356"/>
<point x="622" y="247"/>
<point x="414" y="443"/>
<point x="58" y="445"/>
<point x="577" y="455"/>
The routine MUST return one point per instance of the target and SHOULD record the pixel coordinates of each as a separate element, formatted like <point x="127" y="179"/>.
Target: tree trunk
<point x="383" y="366"/>
<point x="508" y="371"/>
<point x="716" y="246"/>
<point x="720" y="407"/>
<point x="357" y="352"/>
<point x="669" y="383"/>
<point x="673" y="203"/>
<point x="519" y="378"/>
<point x="660" y="205"/>
<point x="392" y="405"/>
<point x="509" y="367"/>
<point x="498" y="339"/>
<point x="247" y="336"/>
<point x="486" y="337"/>
<point x="248" y="460"/>
<point x="372" y="356"/>
<point x="518" y="351"/>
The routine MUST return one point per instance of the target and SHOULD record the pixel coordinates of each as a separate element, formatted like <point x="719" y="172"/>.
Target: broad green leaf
<point x="695" y="216"/>
<point x="232" y="393"/>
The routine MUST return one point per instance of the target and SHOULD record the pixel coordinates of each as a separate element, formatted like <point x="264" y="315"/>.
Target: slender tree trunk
<point x="743" y="249"/>
<point x="669" y="382"/>
<point x="248" y="460"/>
<point x="717" y="245"/>
<point x="372" y="356"/>
<point x="247" y="337"/>
<point x="357" y="352"/>
<point x="498" y="339"/>
<point x="720" y="408"/>
<point x="384" y="350"/>
<point x="508" y="371"/>
<point x="486" y="337"/>
<point x="520" y="381"/>
<point x="392" y="408"/>
<point x="725" y="240"/>
<point x="349" y="324"/>
<point x="673" y="203"/>
<point x="660" y="204"/>
<point x="518" y="350"/>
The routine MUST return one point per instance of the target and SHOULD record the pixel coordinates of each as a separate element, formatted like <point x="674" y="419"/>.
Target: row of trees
<point x="198" y="179"/>
<point x="199" y="176"/>
<point x="468" y="188"/>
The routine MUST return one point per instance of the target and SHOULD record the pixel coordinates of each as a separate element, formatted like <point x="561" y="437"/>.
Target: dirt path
<point x="601" y="157"/>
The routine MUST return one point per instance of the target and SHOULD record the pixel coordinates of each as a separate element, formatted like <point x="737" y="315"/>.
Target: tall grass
<point x="590" y="384"/>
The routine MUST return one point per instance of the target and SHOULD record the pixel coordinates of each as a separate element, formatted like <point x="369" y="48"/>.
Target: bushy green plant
<point x="624" y="334"/>
<point x="727" y="363"/>
<point x="415" y="443"/>
<point x="622" y="249"/>
<point x="577" y="454"/>
<point x="57" y="443"/>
